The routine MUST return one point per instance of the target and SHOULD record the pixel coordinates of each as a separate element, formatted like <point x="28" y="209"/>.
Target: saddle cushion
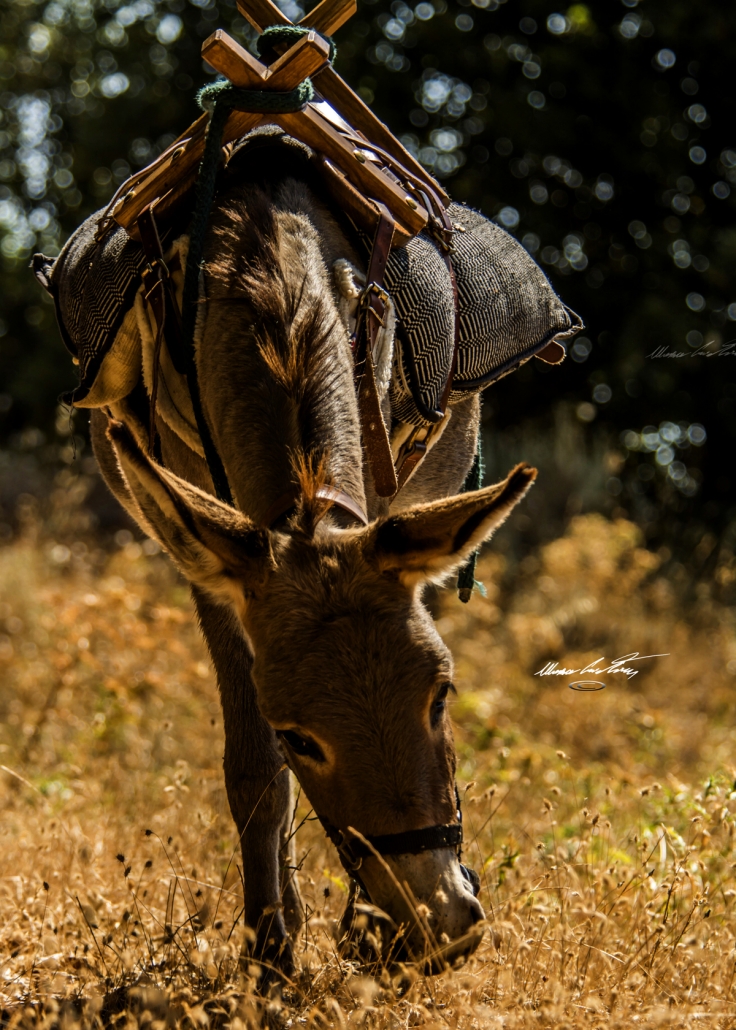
<point x="508" y="311"/>
<point x="93" y="283"/>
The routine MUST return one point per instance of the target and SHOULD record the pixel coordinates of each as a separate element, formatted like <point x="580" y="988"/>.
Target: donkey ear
<point x="215" y="546"/>
<point x="429" y="541"/>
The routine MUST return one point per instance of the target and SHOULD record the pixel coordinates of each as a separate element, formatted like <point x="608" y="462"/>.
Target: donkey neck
<point x="273" y="354"/>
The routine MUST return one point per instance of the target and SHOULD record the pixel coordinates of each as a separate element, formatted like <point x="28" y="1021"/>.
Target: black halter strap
<point x="352" y="850"/>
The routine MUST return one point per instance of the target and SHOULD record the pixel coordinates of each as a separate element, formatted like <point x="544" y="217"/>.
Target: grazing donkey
<point x="326" y="657"/>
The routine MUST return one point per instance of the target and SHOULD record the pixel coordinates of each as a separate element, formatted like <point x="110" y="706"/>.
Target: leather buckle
<point x="418" y="447"/>
<point x="412" y="444"/>
<point x="371" y="291"/>
<point x="159" y="265"/>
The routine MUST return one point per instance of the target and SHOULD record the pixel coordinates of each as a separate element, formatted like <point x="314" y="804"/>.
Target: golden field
<point x="602" y="823"/>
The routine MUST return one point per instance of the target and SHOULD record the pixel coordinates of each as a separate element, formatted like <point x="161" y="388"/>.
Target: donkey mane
<point x="253" y="264"/>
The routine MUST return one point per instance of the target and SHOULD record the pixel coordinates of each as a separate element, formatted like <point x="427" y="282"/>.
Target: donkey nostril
<point x="476" y="912"/>
<point x="472" y="878"/>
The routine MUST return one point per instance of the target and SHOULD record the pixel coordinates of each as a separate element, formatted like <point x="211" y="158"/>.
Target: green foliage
<point x="600" y="135"/>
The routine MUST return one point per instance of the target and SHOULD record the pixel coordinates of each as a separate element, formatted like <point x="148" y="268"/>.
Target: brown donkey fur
<point x="326" y="656"/>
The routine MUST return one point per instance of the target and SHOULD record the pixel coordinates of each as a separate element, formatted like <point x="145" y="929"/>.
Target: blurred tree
<point x="601" y="135"/>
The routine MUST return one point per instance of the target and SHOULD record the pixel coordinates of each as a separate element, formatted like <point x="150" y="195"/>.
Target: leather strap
<point x="373" y="305"/>
<point x="153" y="250"/>
<point x="168" y="322"/>
<point x="155" y="276"/>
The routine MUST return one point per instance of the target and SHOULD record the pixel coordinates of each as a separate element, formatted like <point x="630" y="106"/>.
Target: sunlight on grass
<point x="602" y="824"/>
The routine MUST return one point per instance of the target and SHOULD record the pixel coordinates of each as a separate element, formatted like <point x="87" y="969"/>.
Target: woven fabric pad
<point x="507" y="307"/>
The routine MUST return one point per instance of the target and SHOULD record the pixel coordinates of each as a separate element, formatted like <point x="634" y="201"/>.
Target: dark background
<point x="601" y="135"/>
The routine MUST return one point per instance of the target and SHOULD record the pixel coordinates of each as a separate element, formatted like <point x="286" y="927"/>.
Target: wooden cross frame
<point x="361" y="159"/>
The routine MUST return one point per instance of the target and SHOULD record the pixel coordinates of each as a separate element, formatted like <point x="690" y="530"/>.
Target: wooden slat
<point x="261" y="13"/>
<point x="347" y="103"/>
<point x="308" y="55"/>
<point x="172" y="174"/>
<point x="354" y="203"/>
<point x="298" y="62"/>
<point x="174" y="177"/>
<point x="326" y="17"/>
<point x="305" y="58"/>
<point x="329" y="15"/>
<point x="317" y="133"/>
<point x="233" y="61"/>
<point x="132" y="183"/>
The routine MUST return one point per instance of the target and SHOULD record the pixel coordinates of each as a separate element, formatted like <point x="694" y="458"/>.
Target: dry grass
<point x="603" y="823"/>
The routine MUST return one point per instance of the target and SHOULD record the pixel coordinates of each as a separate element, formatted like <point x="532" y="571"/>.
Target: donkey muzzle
<point x="422" y="909"/>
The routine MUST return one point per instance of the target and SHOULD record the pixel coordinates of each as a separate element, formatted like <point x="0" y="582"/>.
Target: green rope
<point x="220" y="98"/>
<point x="288" y="34"/>
<point x="473" y="481"/>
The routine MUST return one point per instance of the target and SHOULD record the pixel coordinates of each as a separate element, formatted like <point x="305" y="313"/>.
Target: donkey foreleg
<point x="256" y="780"/>
<point x="258" y="790"/>
<point x="290" y="895"/>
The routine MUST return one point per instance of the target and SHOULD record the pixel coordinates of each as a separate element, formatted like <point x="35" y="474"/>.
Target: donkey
<point x="327" y="660"/>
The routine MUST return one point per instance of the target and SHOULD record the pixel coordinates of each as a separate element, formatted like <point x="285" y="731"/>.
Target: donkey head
<point x="349" y="669"/>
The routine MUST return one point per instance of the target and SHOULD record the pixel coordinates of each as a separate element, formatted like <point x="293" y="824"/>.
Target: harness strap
<point x="156" y="279"/>
<point x="410" y="842"/>
<point x="166" y="313"/>
<point x="352" y="850"/>
<point x="373" y="305"/>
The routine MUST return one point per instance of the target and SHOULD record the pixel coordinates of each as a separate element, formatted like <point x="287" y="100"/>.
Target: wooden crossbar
<point x="353" y="144"/>
<point x="224" y="54"/>
<point x="326" y="18"/>
<point x="173" y="173"/>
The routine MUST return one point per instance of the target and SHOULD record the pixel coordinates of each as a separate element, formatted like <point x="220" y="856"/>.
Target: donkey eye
<point x="439" y="704"/>
<point x="302" y="746"/>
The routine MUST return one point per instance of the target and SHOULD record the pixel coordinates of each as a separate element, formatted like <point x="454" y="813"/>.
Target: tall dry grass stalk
<point x="602" y="824"/>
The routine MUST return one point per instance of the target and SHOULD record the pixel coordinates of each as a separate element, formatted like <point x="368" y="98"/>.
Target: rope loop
<point x="222" y="95"/>
<point x="289" y="34"/>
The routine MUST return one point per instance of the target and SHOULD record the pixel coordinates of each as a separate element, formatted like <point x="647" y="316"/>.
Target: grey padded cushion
<point x="508" y="312"/>
<point x="94" y="285"/>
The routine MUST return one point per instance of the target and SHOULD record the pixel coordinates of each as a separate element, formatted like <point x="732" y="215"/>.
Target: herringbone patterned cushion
<point x="93" y="285"/>
<point x="508" y="311"/>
